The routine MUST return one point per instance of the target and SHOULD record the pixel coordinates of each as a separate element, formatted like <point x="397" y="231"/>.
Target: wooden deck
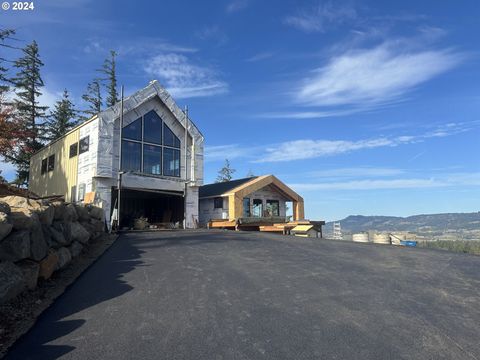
<point x="221" y="224"/>
<point x="260" y="224"/>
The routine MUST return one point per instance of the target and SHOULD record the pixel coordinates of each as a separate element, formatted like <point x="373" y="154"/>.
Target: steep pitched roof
<point x="243" y="187"/>
<point x="152" y="90"/>
<point x="130" y="102"/>
<point x="220" y="188"/>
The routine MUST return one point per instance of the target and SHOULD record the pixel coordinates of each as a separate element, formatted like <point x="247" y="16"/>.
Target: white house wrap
<point x="158" y="180"/>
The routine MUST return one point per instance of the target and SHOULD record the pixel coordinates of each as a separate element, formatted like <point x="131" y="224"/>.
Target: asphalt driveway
<point x="226" y="295"/>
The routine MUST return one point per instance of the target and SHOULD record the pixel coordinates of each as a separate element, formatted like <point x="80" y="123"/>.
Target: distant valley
<point x="432" y="226"/>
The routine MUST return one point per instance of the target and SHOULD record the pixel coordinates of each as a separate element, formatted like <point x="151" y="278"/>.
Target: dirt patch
<point x="20" y="314"/>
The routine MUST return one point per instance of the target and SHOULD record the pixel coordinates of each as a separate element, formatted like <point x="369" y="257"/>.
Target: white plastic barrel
<point x="381" y="238"/>
<point x="360" y="237"/>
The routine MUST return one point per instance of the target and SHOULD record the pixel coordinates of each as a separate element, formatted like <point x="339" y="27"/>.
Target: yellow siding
<point x="64" y="176"/>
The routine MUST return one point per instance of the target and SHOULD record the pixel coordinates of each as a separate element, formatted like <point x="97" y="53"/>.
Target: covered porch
<point x="259" y="203"/>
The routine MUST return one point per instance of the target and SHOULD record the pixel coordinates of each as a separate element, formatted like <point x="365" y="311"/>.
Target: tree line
<point x="25" y="124"/>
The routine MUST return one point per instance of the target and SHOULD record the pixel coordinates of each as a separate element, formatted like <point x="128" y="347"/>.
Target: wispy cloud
<point x="444" y="180"/>
<point x="184" y="79"/>
<point x="321" y="17"/>
<point x="213" y="34"/>
<point x="222" y="152"/>
<point x="260" y="56"/>
<point x="330" y="15"/>
<point x="369" y="78"/>
<point x="93" y="47"/>
<point x="355" y="172"/>
<point x="304" y="149"/>
<point x="49" y="98"/>
<point x="416" y="156"/>
<point x="236" y="5"/>
<point x="307" y="114"/>
<point x="309" y="149"/>
<point x="138" y="46"/>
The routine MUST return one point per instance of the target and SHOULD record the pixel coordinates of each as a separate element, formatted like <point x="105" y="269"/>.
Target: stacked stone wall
<point x="39" y="237"/>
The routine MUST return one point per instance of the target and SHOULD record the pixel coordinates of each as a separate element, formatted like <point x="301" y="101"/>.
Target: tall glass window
<point x="257" y="208"/>
<point x="44" y="166"/>
<point x="273" y="207"/>
<point x="171" y="162"/>
<point x="153" y="128"/>
<point x="133" y="131"/>
<point x="131" y="156"/>
<point x="246" y="207"/>
<point x="141" y="150"/>
<point x="152" y="159"/>
<point x="169" y="138"/>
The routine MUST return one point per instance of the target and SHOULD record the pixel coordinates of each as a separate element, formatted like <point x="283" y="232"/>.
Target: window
<point x="51" y="162"/>
<point x="246" y="207"/>
<point x="131" y="156"/>
<point x="273" y="207"/>
<point x="133" y="131"/>
<point x="141" y="150"/>
<point x="153" y="128"/>
<point x="152" y="159"/>
<point x="171" y="162"/>
<point x="81" y="192"/>
<point x="257" y="208"/>
<point x="44" y="166"/>
<point x="169" y="138"/>
<point x="84" y="144"/>
<point x="218" y="203"/>
<point x="73" y="194"/>
<point x="73" y="150"/>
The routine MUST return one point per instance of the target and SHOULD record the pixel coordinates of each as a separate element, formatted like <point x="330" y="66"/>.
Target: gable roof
<point x="245" y="186"/>
<point x="218" y="189"/>
<point x="153" y="89"/>
<point x="131" y="102"/>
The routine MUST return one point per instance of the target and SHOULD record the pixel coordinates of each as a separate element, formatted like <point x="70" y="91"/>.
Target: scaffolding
<point x="337" y="231"/>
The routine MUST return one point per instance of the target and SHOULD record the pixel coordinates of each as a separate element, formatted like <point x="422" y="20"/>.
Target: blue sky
<point x="365" y="107"/>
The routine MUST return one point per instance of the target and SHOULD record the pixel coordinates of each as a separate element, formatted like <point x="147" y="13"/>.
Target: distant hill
<point x="432" y="223"/>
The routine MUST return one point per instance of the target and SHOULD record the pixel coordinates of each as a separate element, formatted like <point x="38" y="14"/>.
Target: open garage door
<point x="158" y="207"/>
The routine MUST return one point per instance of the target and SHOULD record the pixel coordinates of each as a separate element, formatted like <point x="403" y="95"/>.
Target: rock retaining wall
<point x="39" y="237"/>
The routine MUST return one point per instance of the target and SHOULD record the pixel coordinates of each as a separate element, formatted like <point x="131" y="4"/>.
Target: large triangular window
<point x="169" y="138"/>
<point x="144" y="151"/>
<point x="153" y="128"/>
<point x="133" y="131"/>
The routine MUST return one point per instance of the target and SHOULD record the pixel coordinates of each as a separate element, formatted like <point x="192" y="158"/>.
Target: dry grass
<point x="465" y="246"/>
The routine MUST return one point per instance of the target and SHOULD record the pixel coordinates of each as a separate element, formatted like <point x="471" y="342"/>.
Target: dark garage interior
<point x="157" y="207"/>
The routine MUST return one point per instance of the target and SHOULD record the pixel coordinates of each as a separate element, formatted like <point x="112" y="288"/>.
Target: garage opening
<point x="157" y="207"/>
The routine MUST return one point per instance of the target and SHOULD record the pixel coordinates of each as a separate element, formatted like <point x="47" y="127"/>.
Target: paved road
<point x="225" y="295"/>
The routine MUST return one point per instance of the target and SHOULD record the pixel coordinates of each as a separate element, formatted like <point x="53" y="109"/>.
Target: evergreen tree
<point x="225" y="173"/>
<point x="10" y="128"/>
<point x="5" y="34"/>
<point x="109" y="70"/>
<point x="93" y="97"/>
<point x="28" y="83"/>
<point x="61" y="119"/>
